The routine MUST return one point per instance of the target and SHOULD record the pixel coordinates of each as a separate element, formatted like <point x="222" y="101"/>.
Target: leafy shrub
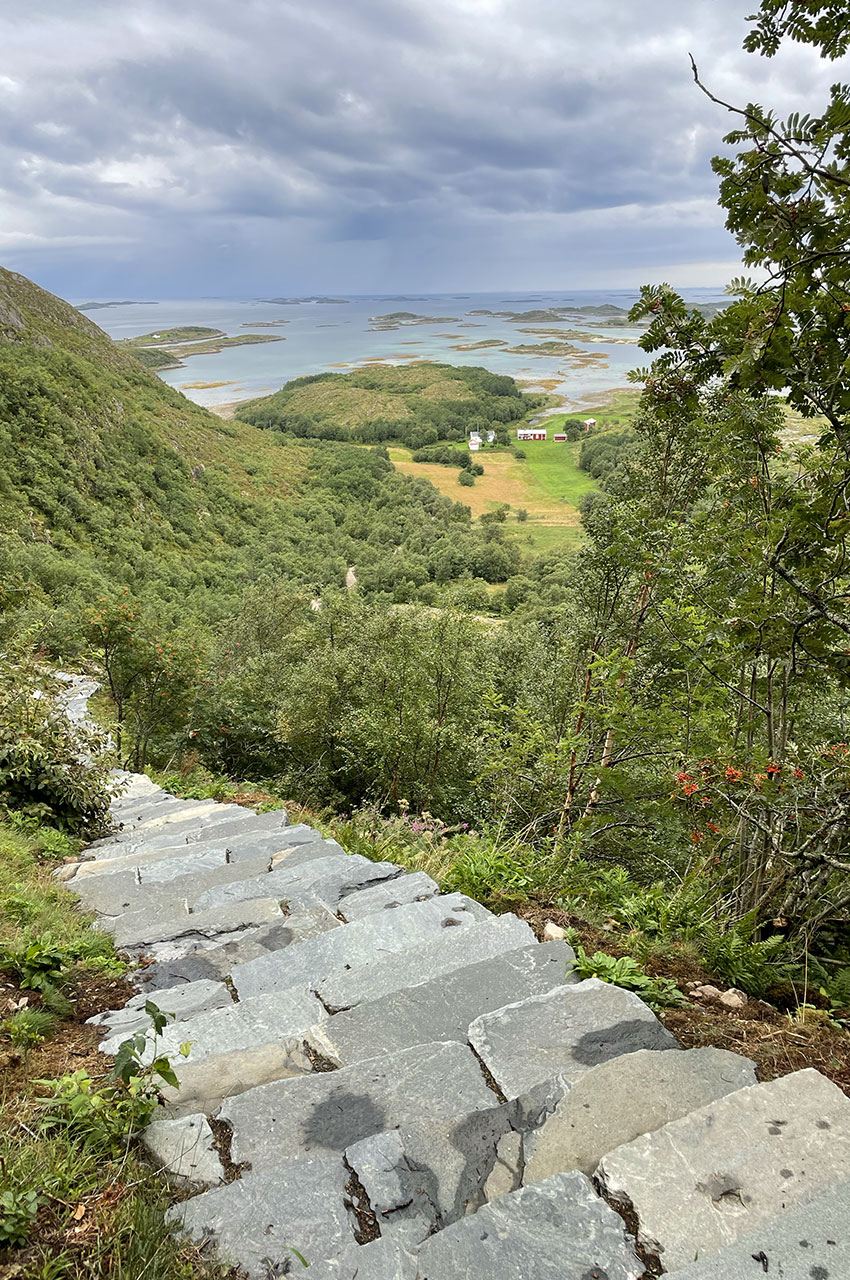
<point x="18" y="1211"/>
<point x="754" y="965"/>
<point x="466" y="479"/>
<point x="623" y="971"/>
<point x="49" y="769"/>
<point x="105" y="1116"/>
<point x="28" y="1027"/>
<point x="40" y="963"/>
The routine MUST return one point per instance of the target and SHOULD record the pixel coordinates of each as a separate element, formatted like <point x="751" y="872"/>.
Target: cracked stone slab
<point x="228" y="825"/>
<point x="204" y="1085"/>
<point x="425" y="1174"/>
<point x="564" y="1032"/>
<point x="199" y="958"/>
<point x="443" y="1008"/>
<point x="178" y="1002"/>
<point x="276" y="1016"/>
<point x="443" y="953"/>
<point x="808" y="1243"/>
<point x="150" y="864"/>
<point x="171" y="833"/>
<point x="185" y="1149"/>
<point x="633" y="1094"/>
<point x="355" y="944"/>
<point x="320" y="879"/>
<point x="276" y="1123"/>
<point x="556" y="1230"/>
<point x="258" y="1220"/>
<point x="383" y="897"/>
<point x="142" y="929"/>
<point x="733" y="1166"/>
<point x="115" y="895"/>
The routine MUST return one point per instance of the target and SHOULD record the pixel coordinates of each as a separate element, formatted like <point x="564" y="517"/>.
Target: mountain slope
<point x="108" y="477"/>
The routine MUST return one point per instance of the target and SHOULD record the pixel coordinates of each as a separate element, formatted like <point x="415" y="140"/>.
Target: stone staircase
<point x="400" y="1085"/>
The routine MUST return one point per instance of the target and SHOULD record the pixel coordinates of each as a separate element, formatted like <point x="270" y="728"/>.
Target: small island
<point x="168" y="348"/>
<point x="397" y="319"/>
<point x="128" y="302"/>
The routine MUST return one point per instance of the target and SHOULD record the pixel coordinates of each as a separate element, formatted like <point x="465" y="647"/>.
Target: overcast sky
<point x="244" y="147"/>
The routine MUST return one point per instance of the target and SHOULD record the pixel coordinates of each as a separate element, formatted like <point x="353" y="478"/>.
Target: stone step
<point x="416" y="887"/>
<point x="174" y="831"/>
<point x="733" y="1166"/>
<point x="185" y="1149"/>
<point x="443" y="1008"/>
<point x="557" y="1230"/>
<point x="355" y="944"/>
<point x="193" y="957"/>
<point x="633" y="1094"/>
<point x="257" y="1221"/>
<point x="273" y="1017"/>
<point x="154" y="864"/>
<point x="278" y="1123"/>
<point x="322" y="880"/>
<point x="382" y="1259"/>
<point x="565" y="1032"/>
<point x="149" y="931"/>
<point x="808" y="1243"/>
<point x="179" y="1003"/>
<point x="203" y="1086"/>
<point x="442" y="953"/>
<point x="153" y="817"/>
<point x="115" y="895"/>
<point x="232" y="821"/>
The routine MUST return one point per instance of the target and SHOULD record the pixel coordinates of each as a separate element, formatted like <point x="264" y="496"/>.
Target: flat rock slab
<point x="557" y="1230"/>
<point x="203" y="822"/>
<point x="443" y="1008"/>
<point x="140" y="929"/>
<point x="150" y="862"/>
<point x="808" y="1243"/>
<point x="185" y="1149"/>
<point x="564" y="1033"/>
<point x="444" y="952"/>
<point x="199" y="958"/>
<point x="115" y="895"/>
<point x="321" y="879"/>
<point x="383" y="897"/>
<point x="205" y="1085"/>
<point x="633" y="1094"/>
<point x="276" y="1016"/>
<point x="731" y="1167"/>
<point x="277" y="1123"/>
<point x="178" y="1003"/>
<point x="355" y="944"/>
<point x="256" y="1221"/>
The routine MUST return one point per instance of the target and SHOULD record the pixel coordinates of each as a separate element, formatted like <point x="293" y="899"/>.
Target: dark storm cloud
<point x="466" y="143"/>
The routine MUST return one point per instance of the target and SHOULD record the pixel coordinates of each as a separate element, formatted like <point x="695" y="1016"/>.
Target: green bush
<point x="466" y="479"/>
<point x="28" y="1027"/>
<point x="625" y="972"/>
<point x="18" y="1211"/>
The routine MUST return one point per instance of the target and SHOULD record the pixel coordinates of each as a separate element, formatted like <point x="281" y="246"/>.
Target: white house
<point x="588" y="423"/>
<point x="531" y="433"/>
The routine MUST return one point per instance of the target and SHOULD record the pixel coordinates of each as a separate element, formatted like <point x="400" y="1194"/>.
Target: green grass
<point x="555" y="468"/>
<point x="536" y="539"/>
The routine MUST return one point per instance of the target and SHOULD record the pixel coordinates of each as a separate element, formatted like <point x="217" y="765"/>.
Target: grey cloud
<point x="452" y="124"/>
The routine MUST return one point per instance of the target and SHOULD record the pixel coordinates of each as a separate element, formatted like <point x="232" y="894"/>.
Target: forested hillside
<point x="108" y="479"/>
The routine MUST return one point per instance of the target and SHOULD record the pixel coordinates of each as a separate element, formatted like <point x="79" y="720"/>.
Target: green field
<point x="555" y="468"/>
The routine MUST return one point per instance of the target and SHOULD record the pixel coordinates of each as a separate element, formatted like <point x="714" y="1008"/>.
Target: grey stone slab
<point x="384" y="1259"/>
<point x="354" y="944"/>
<point x="556" y="1230"/>
<point x="201" y="958"/>
<point x="279" y="1016"/>
<point x="142" y="929"/>
<point x="565" y="1032"/>
<point x="204" y="1085"/>
<point x="258" y="1220"/>
<point x="732" y="1167"/>
<point x="185" y="1149"/>
<point x="384" y="897"/>
<point x="202" y="822"/>
<point x="448" y="950"/>
<point x="115" y="895"/>
<point x="274" y="820"/>
<point x="425" y="1174"/>
<point x="443" y="1008"/>
<point x="274" y="1124"/>
<point x="238" y="849"/>
<point x="632" y="1094"/>
<point x="178" y="1002"/>
<point x="320" y="879"/>
<point x="808" y="1243"/>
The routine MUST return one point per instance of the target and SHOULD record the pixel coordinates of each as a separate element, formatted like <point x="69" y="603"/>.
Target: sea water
<point x="339" y="335"/>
